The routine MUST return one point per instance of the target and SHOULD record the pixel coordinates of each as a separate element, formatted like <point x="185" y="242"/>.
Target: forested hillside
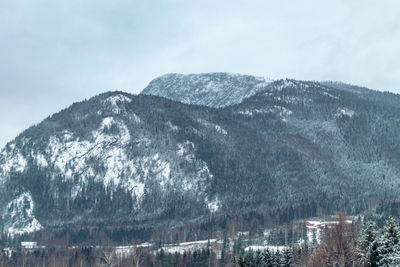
<point x="120" y="164"/>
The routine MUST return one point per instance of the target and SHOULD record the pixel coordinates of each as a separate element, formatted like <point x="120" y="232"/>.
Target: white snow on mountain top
<point x="208" y="89"/>
<point x="115" y="102"/>
<point x="225" y="89"/>
<point x="116" y="99"/>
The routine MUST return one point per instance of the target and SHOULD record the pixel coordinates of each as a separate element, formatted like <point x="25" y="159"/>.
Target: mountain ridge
<point x="217" y="89"/>
<point x="290" y="150"/>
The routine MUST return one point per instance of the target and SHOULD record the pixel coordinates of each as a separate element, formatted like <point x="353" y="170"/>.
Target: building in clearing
<point x="29" y="245"/>
<point x="315" y="228"/>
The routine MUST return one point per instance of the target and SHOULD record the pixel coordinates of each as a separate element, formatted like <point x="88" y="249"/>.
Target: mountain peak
<point x="216" y="89"/>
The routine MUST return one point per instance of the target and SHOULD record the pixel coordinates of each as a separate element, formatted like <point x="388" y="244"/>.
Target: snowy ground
<point x="188" y="246"/>
<point x="261" y="248"/>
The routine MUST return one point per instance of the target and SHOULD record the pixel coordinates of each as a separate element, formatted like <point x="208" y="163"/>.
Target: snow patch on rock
<point x="171" y="126"/>
<point x="115" y="102"/>
<point x="212" y="126"/>
<point x="135" y="118"/>
<point x="107" y="122"/>
<point x="344" y="112"/>
<point x="41" y="160"/>
<point x="329" y="95"/>
<point x="69" y="156"/>
<point x="220" y="130"/>
<point x="13" y="161"/>
<point x="281" y="111"/>
<point x="185" y="150"/>
<point x="19" y="217"/>
<point x="213" y="205"/>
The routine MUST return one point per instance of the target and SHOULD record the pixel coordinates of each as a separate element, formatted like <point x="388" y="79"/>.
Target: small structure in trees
<point x="29" y="245"/>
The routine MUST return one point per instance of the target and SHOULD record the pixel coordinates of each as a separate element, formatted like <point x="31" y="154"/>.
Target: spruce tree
<point x="367" y="247"/>
<point x="389" y="245"/>
<point x="241" y="261"/>
<point x="277" y="258"/>
<point x="248" y="259"/>
<point x="257" y="258"/>
<point x="287" y="258"/>
<point x="266" y="259"/>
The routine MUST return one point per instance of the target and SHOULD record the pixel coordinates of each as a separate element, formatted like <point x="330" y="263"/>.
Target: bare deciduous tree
<point x="137" y="256"/>
<point x="108" y="258"/>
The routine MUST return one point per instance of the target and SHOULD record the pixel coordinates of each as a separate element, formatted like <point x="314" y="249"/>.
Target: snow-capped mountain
<point x="293" y="149"/>
<point x="208" y="89"/>
<point x="101" y="143"/>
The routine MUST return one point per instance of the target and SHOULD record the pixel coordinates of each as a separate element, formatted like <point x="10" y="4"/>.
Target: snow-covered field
<point x="261" y="248"/>
<point x="188" y="246"/>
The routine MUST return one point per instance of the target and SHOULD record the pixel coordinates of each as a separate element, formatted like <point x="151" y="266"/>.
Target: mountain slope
<point x="99" y="156"/>
<point x="293" y="149"/>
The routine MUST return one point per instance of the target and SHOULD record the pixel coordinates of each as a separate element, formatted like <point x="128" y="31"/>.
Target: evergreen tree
<point x="225" y="250"/>
<point x="276" y="259"/>
<point x="266" y="259"/>
<point x="249" y="259"/>
<point x="389" y="246"/>
<point x="367" y="247"/>
<point x="257" y="258"/>
<point x="241" y="261"/>
<point x="287" y="258"/>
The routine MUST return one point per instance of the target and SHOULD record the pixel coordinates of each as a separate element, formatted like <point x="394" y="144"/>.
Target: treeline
<point x="265" y="258"/>
<point x="342" y="244"/>
<point x="94" y="257"/>
<point x="346" y="245"/>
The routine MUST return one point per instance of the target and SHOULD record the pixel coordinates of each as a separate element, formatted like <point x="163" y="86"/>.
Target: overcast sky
<point x="53" y="52"/>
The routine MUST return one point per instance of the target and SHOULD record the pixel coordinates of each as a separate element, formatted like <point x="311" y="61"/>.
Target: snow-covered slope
<point x="289" y="146"/>
<point x="207" y="89"/>
<point x="109" y="147"/>
<point x="18" y="216"/>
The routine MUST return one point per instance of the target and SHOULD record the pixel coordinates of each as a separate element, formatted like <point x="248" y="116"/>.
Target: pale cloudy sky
<point x="53" y="53"/>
